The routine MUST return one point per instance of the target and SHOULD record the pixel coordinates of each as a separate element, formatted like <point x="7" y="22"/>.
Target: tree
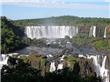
<point x="10" y="38"/>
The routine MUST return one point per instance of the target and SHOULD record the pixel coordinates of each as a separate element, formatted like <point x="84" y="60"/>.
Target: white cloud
<point x="27" y="1"/>
<point x="54" y="1"/>
<point x="107" y="0"/>
<point x="55" y="4"/>
<point x="5" y="1"/>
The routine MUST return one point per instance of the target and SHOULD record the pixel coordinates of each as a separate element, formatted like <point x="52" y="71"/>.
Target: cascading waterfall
<point x="52" y="67"/>
<point x="92" y="31"/>
<point x="105" y="32"/>
<point x="59" y="66"/>
<point x="3" y="60"/>
<point x="50" y="31"/>
<point x="99" y="68"/>
<point x="56" y="31"/>
<point x="99" y="62"/>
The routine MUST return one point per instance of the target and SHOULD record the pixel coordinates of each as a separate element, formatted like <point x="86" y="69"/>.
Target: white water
<point x="60" y="66"/>
<point x="3" y="61"/>
<point x="52" y="67"/>
<point x="49" y="56"/>
<point x="105" y="32"/>
<point x="50" y="31"/>
<point x="62" y="58"/>
<point x="100" y="68"/>
<point x="92" y="31"/>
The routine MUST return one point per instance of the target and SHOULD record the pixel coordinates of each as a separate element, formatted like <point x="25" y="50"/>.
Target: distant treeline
<point x="64" y="20"/>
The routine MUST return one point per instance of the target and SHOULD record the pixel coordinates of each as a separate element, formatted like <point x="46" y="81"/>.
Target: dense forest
<point x="11" y="36"/>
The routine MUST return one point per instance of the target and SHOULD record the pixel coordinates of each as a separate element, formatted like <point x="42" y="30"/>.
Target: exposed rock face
<point x="81" y="66"/>
<point x="86" y="67"/>
<point x="99" y="62"/>
<point x="108" y="31"/>
<point x="108" y="64"/>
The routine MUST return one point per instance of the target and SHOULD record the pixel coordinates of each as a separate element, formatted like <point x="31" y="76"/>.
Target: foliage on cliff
<point x="96" y="42"/>
<point x="11" y="36"/>
<point x="102" y="44"/>
<point x="21" y="71"/>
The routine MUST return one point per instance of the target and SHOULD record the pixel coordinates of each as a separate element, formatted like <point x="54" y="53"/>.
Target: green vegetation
<point x="82" y="40"/>
<point x="11" y="36"/>
<point x="97" y="43"/>
<point x="33" y="68"/>
<point x="79" y="66"/>
<point x="102" y="44"/>
<point x="70" y="61"/>
<point x="64" y="20"/>
<point x="36" y="61"/>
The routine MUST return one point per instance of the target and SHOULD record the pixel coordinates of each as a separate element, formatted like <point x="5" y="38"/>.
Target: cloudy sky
<point x="27" y="9"/>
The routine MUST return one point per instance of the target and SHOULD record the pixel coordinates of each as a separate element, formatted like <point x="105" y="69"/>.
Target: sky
<point x="29" y="9"/>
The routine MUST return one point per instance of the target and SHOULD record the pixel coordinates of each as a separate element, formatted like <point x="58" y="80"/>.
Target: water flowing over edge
<point x="100" y="69"/>
<point x="51" y="32"/>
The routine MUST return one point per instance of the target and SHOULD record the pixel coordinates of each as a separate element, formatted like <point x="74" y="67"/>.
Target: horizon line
<point x="55" y="16"/>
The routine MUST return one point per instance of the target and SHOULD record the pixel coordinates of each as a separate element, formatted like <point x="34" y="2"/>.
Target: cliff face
<point x="81" y="66"/>
<point x="66" y="67"/>
<point x="108" y="64"/>
<point x="108" y="31"/>
<point x="108" y="28"/>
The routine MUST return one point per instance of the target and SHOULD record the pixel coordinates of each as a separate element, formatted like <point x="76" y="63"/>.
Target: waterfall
<point x="49" y="56"/>
<point x="62" y="58"/>
<point x="99" y="65"/>
<point x="100" y="68"/>
<point x="3" y="60"/>
<point x="105" y="32"/>
<point x="92" y="31"/>
<point x="52" y="67"/>
<point x="50" y="31"/>
<point x="60" y="66"/>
